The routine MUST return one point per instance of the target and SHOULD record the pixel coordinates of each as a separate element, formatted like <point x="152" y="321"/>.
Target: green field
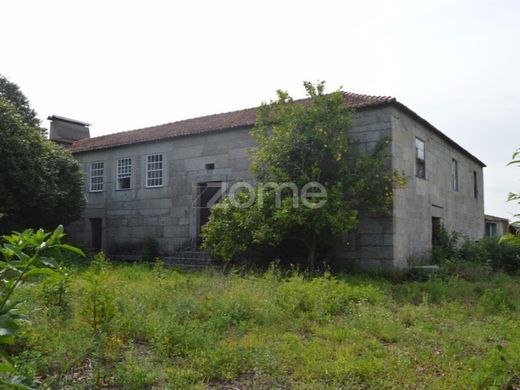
<point x="163" y="329"/>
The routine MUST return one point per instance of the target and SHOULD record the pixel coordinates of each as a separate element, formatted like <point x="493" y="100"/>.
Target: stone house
<point x="154" y="182"/>
<point x="495" y="226"/>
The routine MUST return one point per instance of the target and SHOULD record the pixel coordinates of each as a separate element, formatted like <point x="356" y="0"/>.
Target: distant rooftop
<point x="492" y="218"/>
<point x="68" y="120"/>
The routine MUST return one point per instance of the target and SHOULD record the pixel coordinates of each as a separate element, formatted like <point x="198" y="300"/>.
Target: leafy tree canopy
<point x="41" y="184"/>
<point x="301" y="143"/>
<point x="11" y="92"/>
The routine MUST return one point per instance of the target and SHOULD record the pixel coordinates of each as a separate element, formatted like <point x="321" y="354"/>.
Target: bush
<point x="496" y="300"/>
<point x="502" y="255"/>
<point x="499" y="254"/>
<point x="55" y="294"/>
<point x="322" y="297"/>
<point x="24" y="257"/>
<point x="446" y="246"/>
<point x="464" y="269"/>
<point x="98" y="300"/>
<point x="150" y="249"/>
<point x="134" y="372"/>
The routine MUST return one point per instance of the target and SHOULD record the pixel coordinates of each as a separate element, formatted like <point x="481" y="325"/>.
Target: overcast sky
<point x="122" y="65"/>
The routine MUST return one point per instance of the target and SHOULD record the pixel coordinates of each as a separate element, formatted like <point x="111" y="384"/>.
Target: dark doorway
<point x="436" y="229"/>
<point x="209" y="194"/>
<point x="96" y="227"/>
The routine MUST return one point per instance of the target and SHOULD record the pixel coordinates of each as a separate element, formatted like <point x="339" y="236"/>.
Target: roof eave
<point x="391" y="102"/>
<point x="424" y="122"/>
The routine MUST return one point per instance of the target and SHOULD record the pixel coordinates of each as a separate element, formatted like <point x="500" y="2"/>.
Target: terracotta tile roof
<point x="232" y="120"/>
<point x="228" y="120"/>
<point x="492" y="218"/>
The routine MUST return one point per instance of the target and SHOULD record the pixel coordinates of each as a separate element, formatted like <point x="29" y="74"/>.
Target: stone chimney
<point x="65" y="131"/>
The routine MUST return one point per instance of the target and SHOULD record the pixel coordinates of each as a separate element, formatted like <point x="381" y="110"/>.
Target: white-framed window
<point x="154" y="170"/>
<point x="124" y="173"/>
<point x="455" y="174"/>
<point x="97" y="173"/>
<point x="420" y="159"/>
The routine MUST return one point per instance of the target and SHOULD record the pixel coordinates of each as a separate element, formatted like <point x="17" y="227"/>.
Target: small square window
<point x="124" y="173"/>
<point x="420" y="160"/>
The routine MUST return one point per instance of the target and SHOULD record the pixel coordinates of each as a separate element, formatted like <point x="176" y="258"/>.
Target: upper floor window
<point x="154" y="170"/>
<point x="420" y="161"/>
<point x="124" y="173"/>
<point x="455" y="174"/>
<point x="475" y="184"/>
<point x="97" y="170"/>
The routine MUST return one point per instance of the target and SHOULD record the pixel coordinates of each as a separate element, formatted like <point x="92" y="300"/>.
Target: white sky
<point x="122" y="65"/>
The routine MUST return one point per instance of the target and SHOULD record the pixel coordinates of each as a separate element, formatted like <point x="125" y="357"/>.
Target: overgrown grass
<point x="207" y="330"/>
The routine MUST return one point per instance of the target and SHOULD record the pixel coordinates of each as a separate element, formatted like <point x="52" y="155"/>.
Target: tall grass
<point x="207" y="330"/>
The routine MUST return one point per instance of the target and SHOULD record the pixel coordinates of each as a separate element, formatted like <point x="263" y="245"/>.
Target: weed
<point x="55" y="294"/>
<point x="150" y="250"/>
<point x="276" y="330"/>
<point x="98" y="300"/>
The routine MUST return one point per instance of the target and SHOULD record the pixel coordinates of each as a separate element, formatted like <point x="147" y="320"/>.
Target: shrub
<point x="446" y="246"/>
<point x="98" y="300"/>
<point x="464" y="269"/>
<point x="322" y="297"/>
<point x="55" y="294"/>
<point x="98" y="310"/>
<point x="495" y="301"/>
<point x="24" y="256"/>
<point x="179" y="340"/>
<point x="150" y="249"/>
<point x="503" y="255"/>
<point x="134" y="372"/>
<point x="499" y="254"/>
<point x="231" y="310"/>
<point x="158" y="270"/>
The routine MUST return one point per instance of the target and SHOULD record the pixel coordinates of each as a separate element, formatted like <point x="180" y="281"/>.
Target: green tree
<point x="41" y="183"/>
<point x="301" y="143"/>
<point x="11" y="92"/>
